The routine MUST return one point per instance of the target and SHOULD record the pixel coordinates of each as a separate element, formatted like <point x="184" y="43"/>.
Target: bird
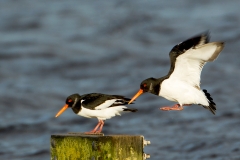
<point x="97" y="105"/>
<point x="182" y="83"/>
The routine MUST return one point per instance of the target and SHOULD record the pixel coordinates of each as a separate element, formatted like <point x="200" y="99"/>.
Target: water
<point x="51" y="49"/>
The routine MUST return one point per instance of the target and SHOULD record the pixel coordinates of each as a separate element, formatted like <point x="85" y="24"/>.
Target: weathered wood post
<point x="80" y="146"/>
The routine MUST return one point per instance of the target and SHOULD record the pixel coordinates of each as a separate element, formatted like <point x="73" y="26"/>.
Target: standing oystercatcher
<point x="96" y="105"/>
<point x="182" y="83"/>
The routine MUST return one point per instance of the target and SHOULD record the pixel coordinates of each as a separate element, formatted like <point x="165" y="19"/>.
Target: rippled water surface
<point x="51" y="49"/>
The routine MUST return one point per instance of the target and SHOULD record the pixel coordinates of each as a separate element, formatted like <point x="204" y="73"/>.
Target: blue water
<point x="51" y="49"/>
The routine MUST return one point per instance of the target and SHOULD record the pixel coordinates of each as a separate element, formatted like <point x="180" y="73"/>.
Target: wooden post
<point x="97" y="147"/>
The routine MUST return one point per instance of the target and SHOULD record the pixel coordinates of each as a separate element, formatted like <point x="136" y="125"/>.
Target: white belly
<point x="182" y="92"/>
<point x="102" y="114"/>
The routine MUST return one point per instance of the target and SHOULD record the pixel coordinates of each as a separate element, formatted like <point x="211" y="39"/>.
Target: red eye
<point x="69" y="100"/>
<point x="144" y="85"/>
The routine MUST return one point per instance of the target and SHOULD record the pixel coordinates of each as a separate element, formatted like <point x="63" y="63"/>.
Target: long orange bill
<point x="62" y="110"/>
<point x="136" y="96"/>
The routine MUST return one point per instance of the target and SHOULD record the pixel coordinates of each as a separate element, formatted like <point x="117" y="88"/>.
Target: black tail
<point x="212" y="105"/>
<point x="131" y="110"/>
<point x="121" y="100"/>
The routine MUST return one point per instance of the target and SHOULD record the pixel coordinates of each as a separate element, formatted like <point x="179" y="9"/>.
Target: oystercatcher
<point x="96" y="105"/>
<point x="182" y="83"/>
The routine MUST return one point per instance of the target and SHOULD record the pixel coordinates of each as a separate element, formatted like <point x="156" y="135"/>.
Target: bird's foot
<point x="90" y="132"/>
<point x="176" y="107"/>
<point x="97" y="129"/>
<point x="93" y="132"/>
<point x="100" y="127"/>
<point x="97" y="132"/>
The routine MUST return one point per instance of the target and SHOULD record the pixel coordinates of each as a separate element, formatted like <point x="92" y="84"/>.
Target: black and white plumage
<point x="97" y="105"/>
<point x="182" y="83"/>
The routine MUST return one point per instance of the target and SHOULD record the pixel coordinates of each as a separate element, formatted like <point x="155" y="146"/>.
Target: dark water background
<point x="51" y="49"/>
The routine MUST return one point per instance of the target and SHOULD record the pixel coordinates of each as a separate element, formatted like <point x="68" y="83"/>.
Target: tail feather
<point x="212" y="105"/>
<point x="120" y="101"/>
<point x="130" y="109"/>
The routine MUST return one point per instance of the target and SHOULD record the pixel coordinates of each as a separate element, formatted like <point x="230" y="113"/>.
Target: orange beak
<point x="62" y="110"/>
<point x="136" y="96"/>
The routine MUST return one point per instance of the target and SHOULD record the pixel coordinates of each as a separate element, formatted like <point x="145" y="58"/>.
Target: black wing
<point x="100" y="101"/>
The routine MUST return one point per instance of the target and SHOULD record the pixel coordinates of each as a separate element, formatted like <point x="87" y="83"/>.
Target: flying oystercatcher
<point x="96" y="105"/>
<point x="182" y="83"/>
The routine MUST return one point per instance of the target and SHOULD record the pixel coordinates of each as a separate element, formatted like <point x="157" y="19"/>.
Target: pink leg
<point x="95" y="129"/>
<point x="176" y="107"/>
<point x="101" y="126"/>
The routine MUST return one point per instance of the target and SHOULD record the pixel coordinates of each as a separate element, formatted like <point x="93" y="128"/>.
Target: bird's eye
<point x="69" y="100"/>
<point x="144" y="85"/>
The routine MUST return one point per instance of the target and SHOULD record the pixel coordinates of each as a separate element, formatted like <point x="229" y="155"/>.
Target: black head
<point x="73" y="102"/>
<point x="150" y="85"/>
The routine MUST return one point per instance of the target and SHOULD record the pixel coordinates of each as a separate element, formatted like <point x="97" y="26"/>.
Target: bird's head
<point x="71" y="102"/>
<point x="148" y="85"/>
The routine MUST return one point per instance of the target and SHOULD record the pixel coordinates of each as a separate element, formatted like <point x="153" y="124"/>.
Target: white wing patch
<point x="106" y="104"/>
<point x="188" y="66"/>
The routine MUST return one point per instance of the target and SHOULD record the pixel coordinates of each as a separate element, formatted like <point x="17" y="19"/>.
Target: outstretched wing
<point x="189" y="57"/>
